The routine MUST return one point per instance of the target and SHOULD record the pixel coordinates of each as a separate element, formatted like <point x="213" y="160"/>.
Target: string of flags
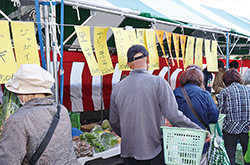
<point x="99" y="63"/>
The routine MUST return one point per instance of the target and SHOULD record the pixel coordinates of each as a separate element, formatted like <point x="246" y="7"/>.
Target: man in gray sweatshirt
<point x="137" y="105"/>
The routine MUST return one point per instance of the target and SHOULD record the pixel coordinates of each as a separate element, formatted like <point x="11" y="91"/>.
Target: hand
<point x="208" y="138"/>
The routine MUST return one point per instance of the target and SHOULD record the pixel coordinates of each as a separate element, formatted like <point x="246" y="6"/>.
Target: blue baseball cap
<point x="133" y="50"/>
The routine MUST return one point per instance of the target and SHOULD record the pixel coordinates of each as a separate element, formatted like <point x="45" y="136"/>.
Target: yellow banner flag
<point x="122" y="45"/>
<point x="25" y="43"/>
<point x="83" y="35"/>
<point x="211" y="56"/>
<point x="152" y="50"/>
<point x="133" y="40"/>
<point x="169" y="36"/>
<point x="189" y="56"/>
<point x="198" y="52"/>
<point x="176" y="47"/>
<point x="101" y="50"/>
<point x="160" y="34"/>
<point x="140" y="33"/>
<point x="7" y="61"/>
<point x="183" y="44"/>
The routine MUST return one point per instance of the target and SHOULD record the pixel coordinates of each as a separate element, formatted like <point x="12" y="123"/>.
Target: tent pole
<point x="39" y="29"/>
<point x="101" y="98"/>
<point x="234" y="45"/>
<point x="53" y="36"/>
<point x="61" y="60"/>
<point x="5" y="16"/>
<point x="169" y="71"/>
<point x="227" y="53"/>
<point x="47" y="45"/>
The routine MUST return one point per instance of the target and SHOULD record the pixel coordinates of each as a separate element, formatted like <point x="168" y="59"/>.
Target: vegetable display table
<point x="110" y="156"/>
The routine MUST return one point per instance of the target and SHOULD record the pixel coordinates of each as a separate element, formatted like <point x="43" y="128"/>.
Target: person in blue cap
<point x="136" y="108"/>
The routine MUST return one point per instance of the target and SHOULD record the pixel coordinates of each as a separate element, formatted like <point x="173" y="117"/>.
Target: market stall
<point x="77" y="88"/>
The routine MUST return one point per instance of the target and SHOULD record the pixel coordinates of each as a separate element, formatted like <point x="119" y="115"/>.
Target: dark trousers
<point x="158" y="160"/>
<point x="231" y="140"/>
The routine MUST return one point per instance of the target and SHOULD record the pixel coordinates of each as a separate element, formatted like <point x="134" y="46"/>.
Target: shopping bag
<point x="217" y="154"/>
<point x="247" y="155"/>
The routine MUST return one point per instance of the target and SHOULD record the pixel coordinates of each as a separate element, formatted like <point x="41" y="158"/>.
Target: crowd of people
<point x="139" y="104"/>
<point x="140" y="100"/>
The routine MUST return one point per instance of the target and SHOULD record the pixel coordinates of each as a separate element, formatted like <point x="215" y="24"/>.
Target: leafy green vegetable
<point x="92" y="135"/>
<point x="82" y="136"/>
<point x="99" y="131"/>
<point x="10" y="104"/>
<point x="109" y="140"/>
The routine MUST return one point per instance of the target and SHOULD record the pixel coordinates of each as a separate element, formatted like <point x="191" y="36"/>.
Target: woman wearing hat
<point x="25" y="129"/>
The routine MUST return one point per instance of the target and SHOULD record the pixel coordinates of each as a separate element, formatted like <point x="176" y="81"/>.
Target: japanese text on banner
<point x="7" y="61"/>
<point x="140" y="33"/>
<point x="83" y="35"/>
<point x="122" y="45"/>
<point x="183" y="44"/>
<point x="169" y="36"/>
<point x="152" y="50"/>
<point x="189" y="56"/>
<point x="25" y="43"/>
<point x="101" y="50"/>
<point x="211" y="56"/>
<point x="198" y="52"/>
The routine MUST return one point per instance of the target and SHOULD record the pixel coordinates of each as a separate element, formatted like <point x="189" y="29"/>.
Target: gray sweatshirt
<point x="26" y="128"/>
<point x="137" y="105"/>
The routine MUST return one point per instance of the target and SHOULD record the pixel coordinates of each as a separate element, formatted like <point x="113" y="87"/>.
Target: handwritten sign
<point x="25" y="43"/>
<point x="198" y="52"/>
<point x="152" y="50"/>
<point x="160" y="34"/>
<point x="83" y="35"/>
<point x="211" y="56"/>
<point x="122" y="45"/>
<point x="183" y="39"/>
<point x="133" y="40"/>
<point x="176" y="47"/>
<point x="101" y="50"/>
<point x="169" y="36"/>
<point x="7" y="61"/>
<point x="189" y="56"/>
<point x="140" y="33"/>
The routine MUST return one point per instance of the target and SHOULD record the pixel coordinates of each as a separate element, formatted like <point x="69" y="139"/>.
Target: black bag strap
<point x="47" y="138"/>
<point x="191" y="106"/>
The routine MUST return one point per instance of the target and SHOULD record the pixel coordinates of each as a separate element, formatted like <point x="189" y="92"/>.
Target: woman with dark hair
<point x="192" y="81"/>
<point x="234" y="102"/>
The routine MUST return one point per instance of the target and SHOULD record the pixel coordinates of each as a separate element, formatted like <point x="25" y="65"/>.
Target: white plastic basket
<point x="183" y="145"/>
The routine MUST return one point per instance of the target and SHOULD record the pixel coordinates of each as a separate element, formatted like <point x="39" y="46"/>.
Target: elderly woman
<point x="192" y="81"/>
<point x="25" y="129"/>
<point x="246" y="78"/>
<point x="234" y="102"/>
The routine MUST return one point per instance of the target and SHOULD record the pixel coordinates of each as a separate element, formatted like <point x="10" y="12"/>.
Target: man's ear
<point x="129" y="65"/>
<point x="147" y="60"/>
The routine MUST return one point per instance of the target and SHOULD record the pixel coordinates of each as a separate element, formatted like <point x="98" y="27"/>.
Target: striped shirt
<point x="234" y="101"/>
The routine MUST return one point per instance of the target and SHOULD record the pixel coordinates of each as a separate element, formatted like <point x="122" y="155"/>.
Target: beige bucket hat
<point x="31" y="79"/>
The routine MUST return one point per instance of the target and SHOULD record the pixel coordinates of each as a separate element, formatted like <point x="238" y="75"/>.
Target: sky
<point x="235" y="7"/>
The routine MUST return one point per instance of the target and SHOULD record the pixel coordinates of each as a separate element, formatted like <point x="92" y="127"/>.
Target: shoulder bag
<point x="217" y="154"/>
<point x="192" y="108"/>
<point x="247" y="155"/>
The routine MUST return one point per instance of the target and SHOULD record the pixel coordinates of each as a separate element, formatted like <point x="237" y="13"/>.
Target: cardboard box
<point x="87" y="127"/>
